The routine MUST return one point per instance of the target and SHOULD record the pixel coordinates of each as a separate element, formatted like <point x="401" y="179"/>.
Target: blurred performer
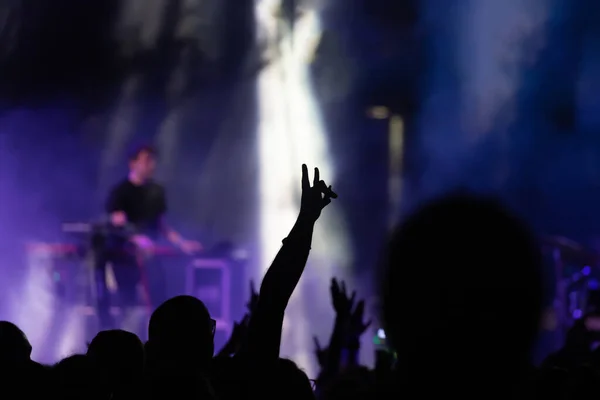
<point x="136" y="207"/>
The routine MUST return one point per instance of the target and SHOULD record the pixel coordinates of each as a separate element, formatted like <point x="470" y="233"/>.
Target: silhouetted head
<point x="352" y="384"/>
<point x="118" y="356"/>
<point x="182" y="331"/>
<point x="15" y="348"/>
<point x="142" y="161"/>
<point x="74" y="377"/>
<point x="462" y="285"/>
<point x="290" y="382"/>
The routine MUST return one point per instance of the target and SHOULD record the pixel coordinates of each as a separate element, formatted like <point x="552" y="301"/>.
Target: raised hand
<point x="320" y="353"/>
<point x="251" y="305"/>
<point x="342" y="304"/>
<point x="315" y="197"/>
<point x="357" y="324"/>
<point x="238" y="335"/>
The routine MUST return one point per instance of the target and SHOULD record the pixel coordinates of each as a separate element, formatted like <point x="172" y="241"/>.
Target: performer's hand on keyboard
<point x="190" y="246"/>
<point x="143" y="243"/>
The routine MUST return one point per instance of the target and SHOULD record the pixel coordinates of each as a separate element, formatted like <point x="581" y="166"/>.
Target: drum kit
<point x="576" y="270"/>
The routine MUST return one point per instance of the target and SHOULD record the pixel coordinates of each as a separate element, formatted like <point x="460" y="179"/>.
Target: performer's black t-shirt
<point x="143" y="205"/>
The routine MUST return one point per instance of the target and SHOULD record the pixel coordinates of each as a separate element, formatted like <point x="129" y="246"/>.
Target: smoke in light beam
<point x="291" y="133"/>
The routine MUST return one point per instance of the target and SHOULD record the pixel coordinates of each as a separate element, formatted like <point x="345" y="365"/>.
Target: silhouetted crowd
<point x="461" y="285"/>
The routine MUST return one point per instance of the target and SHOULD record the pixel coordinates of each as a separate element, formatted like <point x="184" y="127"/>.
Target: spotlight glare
<point x="291" y="133"/>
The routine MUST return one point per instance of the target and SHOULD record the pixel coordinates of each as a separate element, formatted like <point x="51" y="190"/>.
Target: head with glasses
<point x="182" y="331"/>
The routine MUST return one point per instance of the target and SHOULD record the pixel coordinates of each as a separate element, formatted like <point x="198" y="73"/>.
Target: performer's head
<point x="142" y="162"/>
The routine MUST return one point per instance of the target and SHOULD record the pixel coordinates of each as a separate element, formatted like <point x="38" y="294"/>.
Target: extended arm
<point x="115" y="207"/>
<point x="187" y="246"/>
<point x="169" y="233"/>
<point x="264" y="331"/>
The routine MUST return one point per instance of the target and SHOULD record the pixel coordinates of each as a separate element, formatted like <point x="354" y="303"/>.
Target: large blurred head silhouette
<point x="462" y="286"/>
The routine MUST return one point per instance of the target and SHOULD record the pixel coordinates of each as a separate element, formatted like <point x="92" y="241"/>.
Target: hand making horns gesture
<point x="315" y="197"/>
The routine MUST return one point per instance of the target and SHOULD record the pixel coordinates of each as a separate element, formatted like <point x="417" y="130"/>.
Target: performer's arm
<point x="115" y="207"/>
<point x="187" y="246"/>
<point x="172" y="236"/>
<point x="169" y="233"/>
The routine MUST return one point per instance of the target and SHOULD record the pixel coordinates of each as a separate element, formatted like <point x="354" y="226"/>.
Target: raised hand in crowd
<point x="264" y="331"/>
<point x="320" y="352"/>
<point x="316" y="197"/>
<point x="345" y="338"/>
<point x="236" y="339"/>
<point x="356" y="328"/>
<point x="342" y="303"/>
<point x="357" y="325"/>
